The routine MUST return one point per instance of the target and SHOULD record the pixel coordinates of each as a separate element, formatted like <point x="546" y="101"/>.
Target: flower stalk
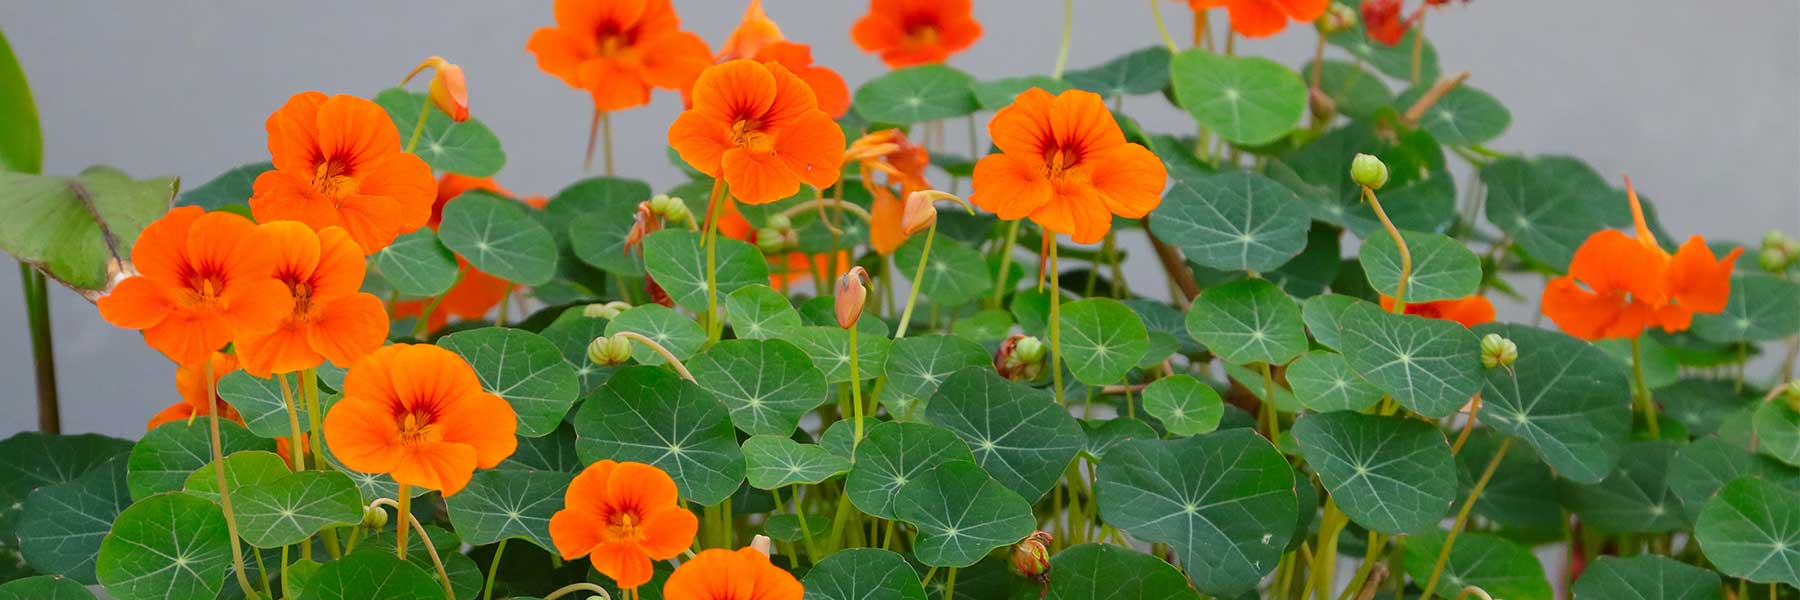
<point x="218" y="459"/>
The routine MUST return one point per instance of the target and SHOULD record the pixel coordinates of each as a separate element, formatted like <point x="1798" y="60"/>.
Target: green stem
<point x="1368" y="564"/>
<point x="1400" y="243"/>
<point x="715" y="328"/>
<point x="1006" y="246"/>
<point x="1462" y="516"/>
<point x="296" y="459"/>
<point x="309" y="392"/>
<point x="419" y="128"/>
<point x="1056" y="381"/>
<point x="43" y="356"/>
<point x="950" y="584"/>
<point x="806" y="536"/>
<point x="1156" y="12"/>
<point x="262" y="571"/>
<point x="218" y="459"/>
<point x="487" y="590"/>
<point x="403" y="499"/>
<point x="1274" y="413"/>
<point x="912" y="297"/>
<point x="1062" y="58"/>
<point x="856" y="405"/>
<point x="1640" y="391"/>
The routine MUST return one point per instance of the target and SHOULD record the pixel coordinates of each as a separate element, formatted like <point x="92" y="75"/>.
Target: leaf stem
<point x="487" y="591"/>
<point x="1056" y="380"/>
<point x="1640" y="391"/>
<point x="1270" y="409"/>
<point x="1161" y="28"/>
<point x="1062" y="55"/>
<point x="1462" y="516"/>
<point x="856" y="405"/>
<point x="1006" y="246"/>
<point x="606" y="140"/>
<point x="714" y="327"/>
<point x="403" y="513"/>
<point x="412" y="143"/>
<point x="579" y="586"/>
<point x="912" y="296"/>
<point x="295" y="456"/>
<point x="43" y="355"/>
<point x="403" y="510"/>
<point x="212" y="418"/>
<point x="950" y="584"/>
<point x="587" y="160"/>
<point x="680" y="369"/>
<point x="1399" y="242"/>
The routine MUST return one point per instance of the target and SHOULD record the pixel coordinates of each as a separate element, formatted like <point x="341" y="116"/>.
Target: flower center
<point x="747" y="134"/>
<point x="1059" y="159"/>
<point x="921" y="34"/>
<point x="623" y="525"/>
<point x="332" y="179"/>
<point x="416" y="427"/>
<point x="302" y="299"/>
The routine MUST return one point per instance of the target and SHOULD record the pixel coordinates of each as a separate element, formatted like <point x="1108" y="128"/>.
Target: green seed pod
<point x="1368" y="171"/>
<point x="607" y="350"/>
<point x="1497" y="351"/>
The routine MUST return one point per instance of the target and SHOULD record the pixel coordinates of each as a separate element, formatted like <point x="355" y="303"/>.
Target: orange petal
<point x="161" y="249"/>
<point x="669" y="531"/>
<point x="136" y="303"/>
<point x="294" y="132"/>
<point x="340" y="268"/>
<point x="405" y="179"/>
<point x="1698" y="281"/>
<point x="1023" y="127"/>
<point x="1009" y="187"/>
<point x="755" y="32"/>
<point x="587" y="492"/>
<point x="475" y="294"/>
<point x="1303" y="10"/>
<point x="701" y="141"/>
<point x="812" y="147"/>
<point x="613" y="84"/>
<point x="1079" y="119"/>
<point x="362" y="434"/>
<point x="187" y="336"/>
<point x="885" y="215"/>
<point x="370" y="378"/>
<point x="829" y="87"/>
<point x="673" y="60"/>
<point x="348" y="329"/>
<point x="1610" y="260"/>
<point x="372" y="221"/>
<point x="573" y="534"/>
<point x="641" y="485"/>
<point x="257" y="306"/>
<point x="483" y="422"/>
<point x="734" y="90"/>
<point x="1257" y="18"/>
<point x="793" y="100"/>
<point x="440" y="466"/>
<point x="1075" y="210"/>
<point x="756" y="178"/>
<point x="284" y="196"/>
<point x="623" y="562"/>
<point x="558" y="53"/>
<point x="356" y="130"/>
<point x="179" y="411"/>
<point x="1129" y="180"/>
<point x="296" y="249"/>
<point x="284" y="350"/>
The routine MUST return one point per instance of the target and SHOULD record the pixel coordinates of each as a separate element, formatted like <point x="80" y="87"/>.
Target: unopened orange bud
<point x="449" y="90"/>
<point x="851" y="294"/>
<point x="1031" y="557"/>
<point x="921" y="210"/>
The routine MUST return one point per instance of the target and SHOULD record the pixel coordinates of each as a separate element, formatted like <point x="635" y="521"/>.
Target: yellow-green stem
<point x="1161" y="28"/>
<point x="669" y="357"/>
<point x="1462" y="516"/>
<point x="212" y="418"/>
<point x="1056" y="381"/>
<point x="1640" y="391"/>
<point x="487" y="589"/>
<point x="1062" y="49"/>
<point x="580" y="586"/>
<point x="1400" y="243"/>
<point x="587" y="159"/>
<point x="1418" y="48"/>
<point x="606" y="140"/>
<point x="419" y="128"/>
<point x="950" y="584"/>
<point x="856" y="405"/>
<point x="714" y="327"/>
<point x="296" y="460"/>
<point x="1269" y="407"/>
<point x="1372" y="552"/>
<point x="918" y="280"/>
<point x="262" y="571"/>
<point x="806" y="537"/>
<point x="1000" y="278"/>
<point x="402" y="510"/>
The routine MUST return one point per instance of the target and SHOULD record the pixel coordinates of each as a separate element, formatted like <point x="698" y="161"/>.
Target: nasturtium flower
<point x="1263" y="18"/>
<point x="190" y="381"/>
<point x="915" y="32"/>
<point x="449" y="89"/>
<point x="203" y="279"/>
<point x="331" y="319"/>
<point x="755" y="32"/>
<point x="742" y="574"/>
<point x="622" y="516"/>
<point x="617" y="50"/>
<point x="1619" y="285"/>
<point x="1064" y="163"/>
<point x="418" y="413"/>
<point x="338" y="163"/>
<point x="758" y="38"/>
<point x="1383" y="21"/>
<point x="760" y="128"/>
<point x="1470" y="311"/>
<point x="901" y="163"/>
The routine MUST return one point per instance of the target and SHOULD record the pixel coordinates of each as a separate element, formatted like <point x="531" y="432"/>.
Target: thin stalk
<point x="680" y="369"/>
<point x="262" y="571"/>
<point x="1368" y="564"/>
<point x="1062" y="54"/>
<point x="1468" y="425"/>
<point x="856" y="405"/>
<point x="587" y="160"/>
<point x="403" y="510"/>
<point x="296" y="459"/>
<point x="1418" y="48"/>
<point x="714" y="327"/>
<point x="403" y="514"/>
<point x="974" y="140"/>
<point x="1056" y="381"/>
<point x="309" y="391"/>
<point x="1462" y="516"/>
<point x="212" y="418"/>
<point x="912" y="297"/>
<point x="419" y="128"/>
<point x="1330" y="525"/>
<point x="1109" y="248"/>
<point x="806" y="537"/>
<point x="606" y="140"/>
<point x="1269" y="409"/>
<point x="1161" y="28"/>
<point x="950" y="584"/>
<point x="1012" y="237"/>
<point x="43" y="355"/>
<point x="286" y="591"/>
<point x="1399" y="242"/>
<point x="500" y="315"/>
<point x="579" y="586"/>
<point x="487" y="590"/>
<point x="1640" y="391"/>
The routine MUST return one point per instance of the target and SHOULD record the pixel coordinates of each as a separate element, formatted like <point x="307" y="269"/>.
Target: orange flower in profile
<point x="759" y="128"/>
<point x="338" y="163"/>
<point x="449" y="89"/>
<point x="204" y="278"/>
<point x="190" y="380"/>
<point x="1470" y="311"/>
<point x="418" y="413"/>
<point x="618" y="50"/>
<point x="902" y="163"/>
<point x="1064" y="162"/>
<point x="742" y="574"/>
<point x="1383" y="22"/>
<point x="758" y="38"/>
<point x="1263" y="18"/>
<point x="622" y="515"/>
<point x="1632" y="283"/>
<point x="331" y="318"/>
<point x="755" y="32"/>
<point x="915" y="32"/>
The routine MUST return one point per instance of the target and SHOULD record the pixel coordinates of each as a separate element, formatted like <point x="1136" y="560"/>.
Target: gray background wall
<point x="1699" y="101"/>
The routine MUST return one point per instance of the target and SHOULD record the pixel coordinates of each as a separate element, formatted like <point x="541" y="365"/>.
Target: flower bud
<point x="1020" y="358"/>
<point x="1368" y="171"/>
<point x="762" y="544"/>
<point x="1031" y="556"/>
<point x="1029" y="349"/>
<point x="374" y="517"/>
<point x="1791" y="393"/>
<point x="852" y="292"/>
<point x="1336" y="18"/>
<point x="920" y="213"/>
<point x="779" y="222"/>
<point x="1497" y="351"/>
<point x="1773" y="238"/>
<point x="1322" y="106"/>
<point x="609" y="350"/>
<point x="449" y="90"/>
<point x="1772" y="260"/>
<point x="608" y="311"/>
<point x="770" y="241"/>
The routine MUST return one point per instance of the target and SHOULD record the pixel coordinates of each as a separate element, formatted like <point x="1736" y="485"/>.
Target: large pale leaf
<point x="1430" y="366"/>
<point x="21" y="140"/>
<point x="1102" y="339"/>
<point x="1246" y="100"/>
<point x="1233" y="221"/>
<point x="1248" y="321"/>
<point x="79" y="229"/>
<point x="1751" y="530"/>
<point x="506" y="504"/>
<point x="916" y="94"/>
<point x="170" y="545"/>
<point x="465" y="148"/>
<point x="767" y="384"/>
<point x="893" y="455"/>
<point x="498" y="236"/>
<point x="675" y="259"/>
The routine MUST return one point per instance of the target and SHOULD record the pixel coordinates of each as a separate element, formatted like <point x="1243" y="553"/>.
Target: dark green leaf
<point x="231" y="188"/>
<point x="1143" y="71"/>
<point x="917" y="365"/>
<point x="679" y="335"/>
<point x="1430" y="366"/>
<point x="1390" y="474"/>
<point x="1751" y="530"/>
<point x="675" y="259"/>
<point x="499" y="505"/>
<point x="166" y="546"/>
<point x="1761" y="308"/>
<point x="466" y="148"/>
<point x="522" y="368"/>
<point x="1232" y="221"/>
<point x="164" y="458"/>
<point x="1248" y="321"/>
<point x="499" y="237"/>
<point x="1462" y="117"/>
<point x="776" y="462"/>
<point x="1185" y="406"/>
<point x="1324" y="382"/>
<point x="829" y="347"/>
<point x="1564" y="397"/>
<point x="916" y="94"/>
<point x="417" y="265"/>
<point x="1017" y="432"/>
<point x="1635" y="497"/>
<point x="767" y="384"/>
<point x="758" y="312"/>
<point x="62" y="524"/>
<point x="1442" y="268"/>
<point x="1648" y="577"/>
<point x="651" y="415"/>
<point x="955" y="273"/>
<point x="893" y="455"/>
<point x="1495" y="564"/>
<point x="1102" y="339"/>
<point x="1246" y="100"/>
<point x="961" y="514"/>
<point x="372" y="573"/>
<point x="863" y="574"/>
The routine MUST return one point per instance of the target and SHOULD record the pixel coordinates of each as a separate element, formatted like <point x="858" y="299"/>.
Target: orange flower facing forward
<point x="742" y="574"/>
<point x="760" y="128"/>
<point x="1618" y="285"/>
<point x="758" y="38"/>
<point x="902" y="163"/>
<point x="1470" y="311"/>
<point x="204" y="278"/>
<point x="1064" y="163"/>
<point x="1263" y="18"/>
<point x="618" y="50"/>
<point x="191" y="381"/>
<point x="338" y="163"/>
<point x="916" y="32"/>
<point x="331" y="318"/>
<point x="418" y="413"/>
<point x="622" y="515"/>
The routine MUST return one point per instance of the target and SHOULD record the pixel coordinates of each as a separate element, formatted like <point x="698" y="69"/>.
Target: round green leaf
<point x="962" y="514"/>
<point x="863" y="574"/>
<point x="1646" y="576"/>
<point x="954" y="274"/>
<point x="571" y="333"/>
<point x="1777" y="428"/>
<point x="1495" y="564"/>
<point x="1224" y="502"/>
<point x="1017" y="432"/>
<point x="829" y="348"/>
<point x="62" y="524"/>
<point x="675" y="259"/>
<point x="1751" y="530"/>
<point x="651" y="415"/>
<point x="295" y="506"/>
<point x="1515" y="495"/>
<point x="1563" y="396"/>
<point x="767" y="384"/>
<point x="1143" y="71"/>
<point x="554" y="452"/>
<point x="1233" y="221"/>
<point x="774" y="462"/>
<point x="1102" y="340"/>
<point x="999" y="93"/>
<point x="1103" y="435"/>
<point x="417" y="265"/>
<point x="1106" y="572"/>
<point x="1635" y="497"/>
<point x="30" y="460"/>
<point x="166" y="546"/>
<point x="679" y="335"/>
<point x="1324" y="316"/>
<point x="1430" y="366"/>
<point x="1545" y="204"/>
<point x="592" y="218"/>
<point x="465" y="148"/>
<point x="1442" y="269"/>
<point x="1700" y="468"/>
<point x="46" y="587"/>
<point x="916" y="366"/>
<point x="786" y="528"/>
<point x="1700" y="404"/>
<point x="505" y="504"/>
<point x="372" y="573"/>
<point x="893" y="455"/>
<point x="261" y="403"/>
<point x="916" y="94"/>
<point x="498" y="236"/>
<point x="758" y="312"/>
<point x="1354" y="92"/>
<point x="1761" y="308"/>
<point x="1390" y="474"/>
<point x="1185" y="406"/>
<point x="522" y="368"/>
<point x="1324" y="382"/>
<point x="167" y="455"/>
<point x="231" y="188"/>
<point x="1394" y="61"/>
<point x="1462" y="117"/>
<point x="1247" y="321"/>
<point x="989" y="325"/>
<point x="1246" y="100"/>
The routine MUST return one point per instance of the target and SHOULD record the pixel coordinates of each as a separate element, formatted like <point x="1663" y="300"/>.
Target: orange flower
<point x="1632" y="284"/>
<point x="1064" y="163"/>
<point x="338" y="162"/>
<point x="757" y="37"/>
<point x="720" y="574"/>
<point x="1470" y="311"/>
<point x="760" y="128"/>
<point x="204" y="278"/>
<point x="753" y="34"/>
<point x="1382" y="20"/>
<point x="622" y="515"/>
<point x="449" y="89"/>
<point x="916" y="32"/>
<point x="331" y="319"/>
<point x="903" y="163"/>
<point x="618" y="49"/>
<point x="418" y="413"/>
<point x="1263" y="18"/>
<point x="190" y="380"/>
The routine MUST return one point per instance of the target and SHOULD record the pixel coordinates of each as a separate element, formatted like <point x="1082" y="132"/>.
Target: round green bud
<point x="1029" y="350"/>
<point x="1497" y="351"/>
<point x="677" y="212"/>
<point x="608" y="311"/>
<point x="770" y="241"/>
<point x="779" y="221"/>
<point x="660" y="203"/>
<point x="1368" y="171"/>
<point x="374" y="517"/>
<point x="1773" y="238"/>
<point x="609" y="350"/>
<point x="1772" y="260"/>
